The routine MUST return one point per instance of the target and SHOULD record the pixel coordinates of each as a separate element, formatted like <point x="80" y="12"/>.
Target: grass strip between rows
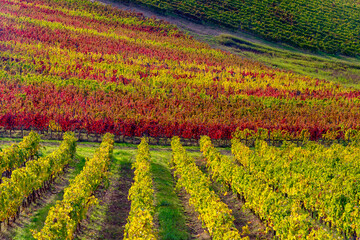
<point x="168" y="209"/>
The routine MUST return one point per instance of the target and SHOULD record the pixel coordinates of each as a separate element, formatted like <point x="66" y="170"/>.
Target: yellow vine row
<point x="16" y="155"/>
<point x="25" y="183"/>
<point x="214" y="213"/>
<point x="140" y="223"/>
<point x="64" y="217"/>
<point x="282" y="214"/>
<point x="323" y="179"/>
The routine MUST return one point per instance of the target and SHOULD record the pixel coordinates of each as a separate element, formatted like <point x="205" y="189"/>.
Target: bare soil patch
<point x="119" y="207"/>
<point x="196" y="28"/>
<point x="108" y="219"/>
<point x="192" y="221"/>
<point x="243" y="217"/>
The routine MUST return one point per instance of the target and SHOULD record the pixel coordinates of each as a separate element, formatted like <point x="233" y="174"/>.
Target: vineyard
<point x="308" y="192"/>
<point x="110" y="124"/>
<point x="328" y="26"/>
<point x="84" y="67"/>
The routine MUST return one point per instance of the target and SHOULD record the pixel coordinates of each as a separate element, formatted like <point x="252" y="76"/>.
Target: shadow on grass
<point x="169" y="210"/>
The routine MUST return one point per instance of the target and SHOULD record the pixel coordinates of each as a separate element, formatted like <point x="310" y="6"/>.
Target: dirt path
<point x="243" y="217"/>
<point x="196" y="29"/>
<point x="108" y="219"/>
<point x="192" y="221"/>
<point x="119" y="207"/>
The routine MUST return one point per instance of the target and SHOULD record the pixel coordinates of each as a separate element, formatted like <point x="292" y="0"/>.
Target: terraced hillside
<point x="328" y="26"/>
<point x="82" y="66"/>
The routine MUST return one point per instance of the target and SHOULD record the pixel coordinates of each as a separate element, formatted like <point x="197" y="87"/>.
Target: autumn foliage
<point x="76" y="65"/>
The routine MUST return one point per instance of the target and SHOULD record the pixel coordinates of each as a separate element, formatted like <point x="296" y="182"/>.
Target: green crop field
<point x="328" y="26"/>
<point x="340" y="69"/>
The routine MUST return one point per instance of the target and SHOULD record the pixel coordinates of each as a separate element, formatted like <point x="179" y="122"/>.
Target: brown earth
<point x="192" y="218"/>
<point x="196" y="28"/>
<point x="243" y="217"/>
<point x="114" y="207"/>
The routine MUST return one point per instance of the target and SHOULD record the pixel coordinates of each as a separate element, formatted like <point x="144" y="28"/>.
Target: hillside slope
<point x="77" y="65"/>
<point x="338" y="68"/>
<point x="328" y="26"/>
